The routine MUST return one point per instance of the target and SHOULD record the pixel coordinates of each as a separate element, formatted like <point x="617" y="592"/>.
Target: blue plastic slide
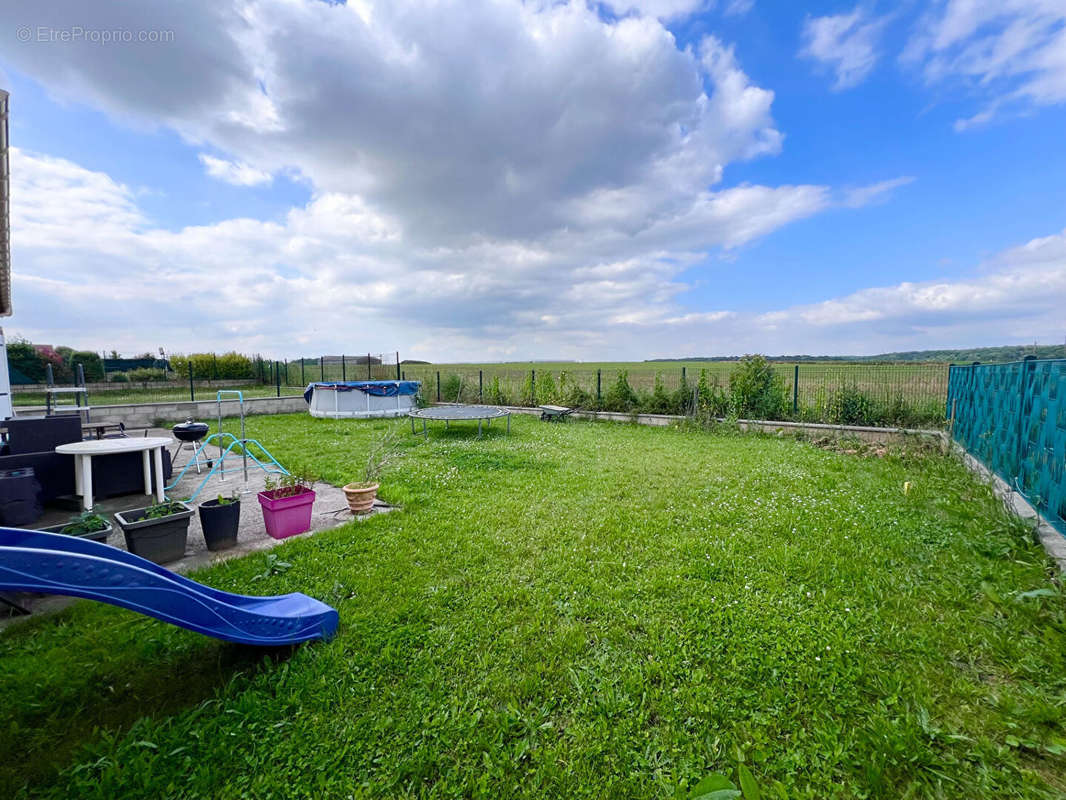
<point x="52" y="563"/>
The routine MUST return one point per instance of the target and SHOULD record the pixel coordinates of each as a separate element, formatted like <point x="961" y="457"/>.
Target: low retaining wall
<point x="868" y="434"/>
<point x="147" y="415"/>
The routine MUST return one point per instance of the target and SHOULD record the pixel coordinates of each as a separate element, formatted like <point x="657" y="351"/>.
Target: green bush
<point x="494" y="395"/>
<point x="143" y="374"/>
<point x="91" y="363"/>
<point x="546" y="389"/>
<point x="209" y="366"/>
<point x="620" y="395"/>
<point x="571" y="394"/>
<point x="660" y="401"/>
<point x="711" y="399"/>
<point x="118" y="377"/>
<point x="526" y="396"/>
<point x="756" y="390"/>
<point x="848" y="405"/>
<point x="23" y="356"/>
<point x="450" y="387"/>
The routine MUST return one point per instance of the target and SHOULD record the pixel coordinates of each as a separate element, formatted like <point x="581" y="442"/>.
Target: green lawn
<point x="583" y="610"/>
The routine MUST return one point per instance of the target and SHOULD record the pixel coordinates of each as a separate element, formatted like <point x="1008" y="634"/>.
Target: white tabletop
<point x="99" y="447"/>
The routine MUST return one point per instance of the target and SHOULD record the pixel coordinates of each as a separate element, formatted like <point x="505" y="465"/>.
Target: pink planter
<point x="286" y="516"/>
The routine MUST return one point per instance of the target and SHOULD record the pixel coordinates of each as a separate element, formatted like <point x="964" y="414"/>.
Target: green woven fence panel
<point x="1012" y="417"/>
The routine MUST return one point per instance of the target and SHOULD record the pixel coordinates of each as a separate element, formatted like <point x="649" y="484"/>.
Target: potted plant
<point x="361" y="494"/>
<point x="87" y="525"/>
<point x="219" y="519"/>
<point x="158" y="533"/>
<point x="287" y="505"/>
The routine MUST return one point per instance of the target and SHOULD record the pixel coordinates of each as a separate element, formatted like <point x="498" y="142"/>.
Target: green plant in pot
<point x="219" y="521"/>
<point x="158" y="532"/>
<point x="361" y="494"/>
<point x="87" y="525"/>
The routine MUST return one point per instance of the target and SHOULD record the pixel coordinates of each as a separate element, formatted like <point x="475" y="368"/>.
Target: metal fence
<point x="901" y="394"/>
<point x="1012" y="418"/>
<point x="269" y="378"/>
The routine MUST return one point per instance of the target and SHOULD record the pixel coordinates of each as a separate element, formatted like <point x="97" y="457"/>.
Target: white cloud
<point x="338" y="271"/>
<point x="236" y="172"/>
<point x="1010" y="54"/>
<point x="738" y="7"/>
<point x="847" y="43"/>
<point x="875" y="192"/>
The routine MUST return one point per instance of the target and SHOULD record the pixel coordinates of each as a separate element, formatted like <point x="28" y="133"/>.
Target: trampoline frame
<point x="482" y="414"/>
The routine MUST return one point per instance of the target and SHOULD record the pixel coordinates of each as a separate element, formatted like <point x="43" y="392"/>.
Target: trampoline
<point x="458" y="413"/>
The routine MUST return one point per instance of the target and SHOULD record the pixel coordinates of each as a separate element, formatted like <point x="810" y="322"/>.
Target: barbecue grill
<point x="188" y="433"/>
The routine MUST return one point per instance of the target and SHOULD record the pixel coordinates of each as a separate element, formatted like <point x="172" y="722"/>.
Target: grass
<point x="583" y="610"/>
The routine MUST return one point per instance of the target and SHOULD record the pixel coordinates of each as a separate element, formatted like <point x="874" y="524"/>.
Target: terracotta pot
<point x="360" y="497"/>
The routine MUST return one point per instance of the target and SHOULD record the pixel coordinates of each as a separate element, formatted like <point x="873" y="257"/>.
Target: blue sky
<point x="515" y="180"/>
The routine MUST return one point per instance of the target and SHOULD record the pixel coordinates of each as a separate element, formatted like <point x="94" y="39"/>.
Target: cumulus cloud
<point x="1010" y="54"/>
<point x="236" y="172"/>
<point x="846" y="43"/>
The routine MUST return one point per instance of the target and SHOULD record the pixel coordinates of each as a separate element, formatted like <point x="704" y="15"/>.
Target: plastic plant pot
<point x="96" y="536"/>
<point x="219" y="522"/>
<point x="286" y="516"/>
<point x="161" y="539"/>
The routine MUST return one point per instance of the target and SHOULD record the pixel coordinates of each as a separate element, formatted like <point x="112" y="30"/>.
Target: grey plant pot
<point x="96" y="536"/>
<point x="160" y="540"/>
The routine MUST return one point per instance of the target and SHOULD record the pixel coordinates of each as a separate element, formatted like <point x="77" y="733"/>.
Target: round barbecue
<point x="190" y="431"/>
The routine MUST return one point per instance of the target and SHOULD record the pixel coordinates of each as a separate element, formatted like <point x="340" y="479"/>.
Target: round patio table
<point x="456" y="413"/>
<point x="150" y="447"/>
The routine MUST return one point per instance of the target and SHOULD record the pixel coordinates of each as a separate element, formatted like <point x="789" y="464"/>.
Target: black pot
<point x="219" y="523"/>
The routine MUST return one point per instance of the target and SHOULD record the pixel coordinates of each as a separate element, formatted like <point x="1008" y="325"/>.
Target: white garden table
<point x="150" y="447"/>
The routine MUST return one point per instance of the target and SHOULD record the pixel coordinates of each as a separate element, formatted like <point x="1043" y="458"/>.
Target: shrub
<point x="660" y="401"/>
<point x="571" y="394"/>
<point x="450" y="388"/>
<point x="756" y="389"/>
<point x="848" y="405"/>
<point x="620" y="395"/>
<point x="526" y="396"/>
<point x="495" y="396"/>
<point x="144" y="374"/>
<point x="23" y="356"/>
<point x="91" y="363"/>
<point x="711" y="399"/>
<point x="118" y="377"/>
<point x="546" y="390"/>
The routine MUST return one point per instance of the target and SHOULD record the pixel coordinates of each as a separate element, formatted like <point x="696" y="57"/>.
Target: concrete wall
<point x="146" y="415"/>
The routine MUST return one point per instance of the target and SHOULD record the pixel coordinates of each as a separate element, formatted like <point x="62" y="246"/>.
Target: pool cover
<point x="378" y="388"/>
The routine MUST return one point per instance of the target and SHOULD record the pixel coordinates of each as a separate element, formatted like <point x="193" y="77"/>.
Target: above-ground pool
<point x="361" y="398"/>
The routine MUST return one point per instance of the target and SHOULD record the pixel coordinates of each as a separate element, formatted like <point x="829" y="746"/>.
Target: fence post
<point x="399" y="376"/>
<point x="322" y="368"/>
<point x="192" y="390"/>
<point x="795" y="388"/>
<point x="344" y="368"/>
<point x="533" y="387"/>
<point x="599" y="383"/>
<point x="1028" y="365"/>
<point x="368" y="367"/>
<point x="480" y="384"/>
<point x="438" y="385"/>
<point x="277" y="379"/>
